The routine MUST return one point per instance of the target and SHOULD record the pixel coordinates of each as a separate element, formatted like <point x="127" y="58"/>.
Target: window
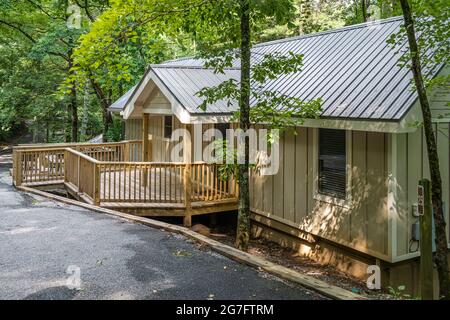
<point x="168" y="127"/>
<point x="332" y="163"/>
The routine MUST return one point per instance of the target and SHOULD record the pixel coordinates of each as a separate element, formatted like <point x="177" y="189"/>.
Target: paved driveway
<point x="44" y="245"/>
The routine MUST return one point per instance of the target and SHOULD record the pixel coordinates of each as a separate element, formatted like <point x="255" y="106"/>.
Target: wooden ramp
<point x="140" y="188"/>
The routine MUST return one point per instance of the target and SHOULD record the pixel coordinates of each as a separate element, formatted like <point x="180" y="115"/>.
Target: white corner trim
<point x="392" y="196"/>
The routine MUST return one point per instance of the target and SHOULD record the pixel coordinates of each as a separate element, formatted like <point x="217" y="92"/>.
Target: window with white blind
<point x="332" y="163"/>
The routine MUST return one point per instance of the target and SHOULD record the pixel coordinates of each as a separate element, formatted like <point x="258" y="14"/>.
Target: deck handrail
<point x="40" y="146"/>
<point x="82" y="155"/>
<point x="120" y="181"/>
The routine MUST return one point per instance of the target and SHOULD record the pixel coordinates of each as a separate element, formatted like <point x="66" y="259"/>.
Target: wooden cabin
<point x="345" y="191"/>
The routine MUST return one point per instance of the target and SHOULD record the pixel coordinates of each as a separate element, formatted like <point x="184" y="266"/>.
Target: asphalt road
<point x="45" y="245"/>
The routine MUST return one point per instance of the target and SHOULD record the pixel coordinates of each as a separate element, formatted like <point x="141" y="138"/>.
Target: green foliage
<point x="275" y="109"/>
<point x="26" y="91"/>
<point x="118" y="39"/>
<point x="432" y="24"/>
<point x="120" y="45"/>
<point x="36" y="45"/>
<point x="115" y="132"/>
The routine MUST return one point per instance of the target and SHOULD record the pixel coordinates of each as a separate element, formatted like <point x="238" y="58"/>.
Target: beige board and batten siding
<point x="157" y="106"/>
<point x="440" y="100"/>
<point x="412" y="165"/>
<point x="289" y="196"/>
<point x="161" y="146"/>
<point x="440" y="108"/>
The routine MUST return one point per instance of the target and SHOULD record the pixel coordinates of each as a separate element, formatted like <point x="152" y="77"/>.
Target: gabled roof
<point x="353" y="69"/>
<point x="185" y="82"/>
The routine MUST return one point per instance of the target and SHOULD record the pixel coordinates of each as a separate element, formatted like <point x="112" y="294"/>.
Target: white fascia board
<point x="129" y="108"/>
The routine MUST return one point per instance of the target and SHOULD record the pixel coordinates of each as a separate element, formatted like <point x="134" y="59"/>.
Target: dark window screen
<point x="223" y="127"/>
<point x="168" y="127"/>
<point x="332" y="163"/>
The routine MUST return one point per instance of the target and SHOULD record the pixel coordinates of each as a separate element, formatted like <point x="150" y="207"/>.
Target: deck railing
<point x="37" y="165"/>
<point x="109" y="173"/>
<point x="81" y="175"/>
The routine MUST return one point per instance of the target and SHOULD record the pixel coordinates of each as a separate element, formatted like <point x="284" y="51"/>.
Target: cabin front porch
<point x="112" y="175"/>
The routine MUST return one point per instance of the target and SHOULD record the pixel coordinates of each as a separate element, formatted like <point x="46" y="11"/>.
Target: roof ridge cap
<point x="330" y="31"/>
<point x="163" y="66"/>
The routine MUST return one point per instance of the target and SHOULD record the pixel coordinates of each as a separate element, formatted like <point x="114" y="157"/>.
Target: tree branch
<point x="86" y="9"/>
<point x="18" y="28"/>
<point x="44" y="11"/>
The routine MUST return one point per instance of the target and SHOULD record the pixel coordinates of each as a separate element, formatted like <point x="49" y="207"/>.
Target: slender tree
<point x="271" y="107"/>
<point x="364" y="7"/>
<point x="243" y="225"/>
<point x="440" y="256"/>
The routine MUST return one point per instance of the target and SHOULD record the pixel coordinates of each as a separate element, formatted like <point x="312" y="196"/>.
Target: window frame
<point x="342" y="202"/>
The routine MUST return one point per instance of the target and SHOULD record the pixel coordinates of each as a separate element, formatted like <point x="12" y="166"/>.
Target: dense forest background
<point x="63" y="63"/>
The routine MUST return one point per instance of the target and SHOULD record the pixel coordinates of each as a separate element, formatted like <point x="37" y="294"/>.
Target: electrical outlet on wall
<point x="415" y="210"/>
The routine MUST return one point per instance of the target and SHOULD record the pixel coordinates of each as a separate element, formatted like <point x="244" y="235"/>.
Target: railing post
<point x="126" y="151"/>
<point x="145" y="146"/>
<point x="96" y="197"/>
<point x="78" y="173"/>
<point x="66" y="162"/>
<point x="236" y="186"/>
<point x="17" y="168"/>
<point x="187" y="221"/>
<point x="150" y="150"/>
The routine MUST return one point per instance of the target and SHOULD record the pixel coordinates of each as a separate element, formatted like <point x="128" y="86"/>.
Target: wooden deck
<point x="101" y="174"/>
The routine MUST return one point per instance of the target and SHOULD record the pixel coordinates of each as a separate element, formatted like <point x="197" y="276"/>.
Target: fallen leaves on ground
<point x="181" y="253"/>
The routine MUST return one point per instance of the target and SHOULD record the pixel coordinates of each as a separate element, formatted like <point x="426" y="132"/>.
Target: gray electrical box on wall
<point x="415" y="231"/>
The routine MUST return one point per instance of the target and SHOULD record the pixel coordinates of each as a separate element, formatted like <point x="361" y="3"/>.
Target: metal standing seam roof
<point x="353" y="69"/>
<point x="122" y="101"/>
<point x="184" y="83"/>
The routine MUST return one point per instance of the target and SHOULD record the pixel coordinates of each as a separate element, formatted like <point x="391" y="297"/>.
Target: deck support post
<point x="187" y="221"/>
<point x="145" y="147"/>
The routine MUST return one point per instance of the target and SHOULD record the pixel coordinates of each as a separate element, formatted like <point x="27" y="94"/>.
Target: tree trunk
<point x="85" y="118"/>
<point x="306" y="17"/>
<point x="364" y="10"/>
<point x="68" y="121"/>
<point x="243" y="225"/>
<point x="47" y="131"/>
<point x="74" y="113"/>
<point x="73" y="108"/>
<point x="107" y="120"/>
<point x="440" y="256"/>
<point x="105" y="103"/>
